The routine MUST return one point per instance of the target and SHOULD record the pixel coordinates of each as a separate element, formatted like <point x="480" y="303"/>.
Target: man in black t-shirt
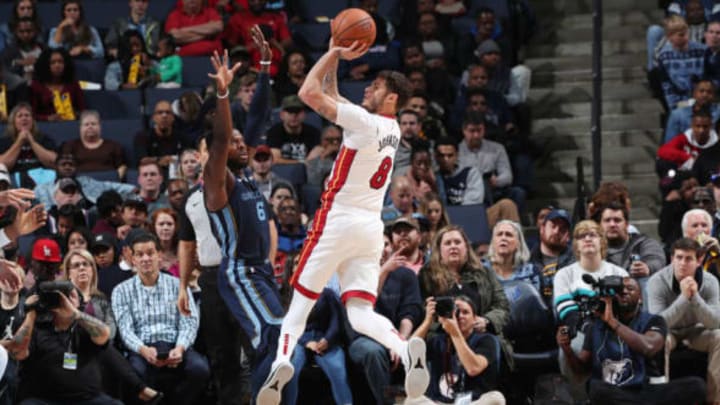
<point x="291" y="139"/>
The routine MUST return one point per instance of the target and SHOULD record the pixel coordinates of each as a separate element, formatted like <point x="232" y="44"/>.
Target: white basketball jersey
<point x="363" y="168"/>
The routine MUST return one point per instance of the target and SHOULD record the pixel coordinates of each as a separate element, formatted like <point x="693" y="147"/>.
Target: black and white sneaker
<point x="271" y="391"/>
<point x="417" y="377"/>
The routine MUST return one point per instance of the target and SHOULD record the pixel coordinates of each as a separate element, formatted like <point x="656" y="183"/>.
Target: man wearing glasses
<point x="162" y="140"/>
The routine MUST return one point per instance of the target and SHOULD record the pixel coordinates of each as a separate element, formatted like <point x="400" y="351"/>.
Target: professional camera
<point x="607" y="286"/>
<point x="445" y="306"/>
<point x="49" y="293"/>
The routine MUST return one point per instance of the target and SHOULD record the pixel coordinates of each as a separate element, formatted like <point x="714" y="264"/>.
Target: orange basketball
<point x="353" y="25"/>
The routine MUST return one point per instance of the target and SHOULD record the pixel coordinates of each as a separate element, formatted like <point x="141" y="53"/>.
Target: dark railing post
<point x="596" y="129"/>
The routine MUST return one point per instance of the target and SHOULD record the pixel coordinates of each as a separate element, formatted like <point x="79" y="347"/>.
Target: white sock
<point x="293" y="326"/>
<point x="365" y="320"/>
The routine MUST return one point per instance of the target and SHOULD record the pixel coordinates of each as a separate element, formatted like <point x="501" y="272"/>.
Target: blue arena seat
<point x="115" y="104"/>
<point x="309" y="10"/>
<point x="473" y="220"/>
<point x="311" y="198"/>
<point x="60" y="131"/>
<point x="195" y="71"/>
<point x="353" y="90"/>
<point x="90" y="70"/>
<point x="292" y="172"/>
<point x="131" y="176"/>
<point x="50" y="14"/>
<point x="311" y="118"/>
<point x="152" y="96"/>
<point x="462" y="25"/>
<point x="499" y="6"/>
<point x="101" y="14"/>
<point x="123" y="132"/>
<point x="311" y="36"/>
<point x="105" y="175"/>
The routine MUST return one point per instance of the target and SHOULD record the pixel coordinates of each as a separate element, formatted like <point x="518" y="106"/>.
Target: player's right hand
<point x="354" y="51"/>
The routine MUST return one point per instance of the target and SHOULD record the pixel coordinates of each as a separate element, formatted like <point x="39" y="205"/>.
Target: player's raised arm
<point x="215" y="174"/>
<point x="330" y="84"/>
<point x="311" y="92"/>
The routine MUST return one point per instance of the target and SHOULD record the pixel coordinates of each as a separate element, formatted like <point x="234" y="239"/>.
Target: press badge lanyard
<point x="69" y="357"/>
<point x="462" y="397"/>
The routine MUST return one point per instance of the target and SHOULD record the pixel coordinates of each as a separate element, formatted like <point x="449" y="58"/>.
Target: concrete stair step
<point x="581" y="91"/>
<point x="584" y="48"/>
<point x="586" y="6"/>
<point x="642" y="184"/>
<point x="564" y="170"/>
<point x="549" y="78"/>
<point x="583" y="109"/>
<point x="610" y="139"/>
<point x="583" y="34"/>
<point x="564" y="63"/>
<point x="612" y="19"/>
<point x="609" y="122"/>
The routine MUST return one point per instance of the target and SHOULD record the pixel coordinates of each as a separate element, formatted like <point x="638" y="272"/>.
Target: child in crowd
<point x="168" y="71"/>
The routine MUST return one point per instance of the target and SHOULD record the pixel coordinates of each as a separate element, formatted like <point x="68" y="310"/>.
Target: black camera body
<point x="608" y="286"/>
<point x="49" y="293"/>
<point x="445" y="306"/>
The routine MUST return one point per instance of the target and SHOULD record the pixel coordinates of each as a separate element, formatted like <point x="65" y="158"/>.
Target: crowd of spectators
<point x="111" y="216"/>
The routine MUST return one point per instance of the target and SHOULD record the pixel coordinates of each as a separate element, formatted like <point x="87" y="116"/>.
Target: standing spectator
<point x="91" y="151"/>
<point x="163" y="224"/>
<point x="291" y="139"/>
<point x="680" y="119"/>
<point x="55" y="93"/>
<point x="590" y="248"/>
<point x="132" y="64"/>
<point x="20" y="56"/>
<point x="150" y="181"/>
<point x="509" y="256"/>
<point x="276" y="31"/>
<point x="74" y="34"/>
<point x="24" y="150"/>
<point x="158" y="337"/>
<point x="138" y="20"/>
<point x="678" y="60"/>
<point x="491" y="159"/>
<point x="164" y="140"/>
<point x="291" y="74"/>
<point x="321" y="159"/>
<point x="196" y="28"/>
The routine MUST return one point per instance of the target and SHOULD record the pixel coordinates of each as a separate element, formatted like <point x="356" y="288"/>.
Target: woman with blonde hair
<point x="509" y="256"/>
<point x="434" y="210"/>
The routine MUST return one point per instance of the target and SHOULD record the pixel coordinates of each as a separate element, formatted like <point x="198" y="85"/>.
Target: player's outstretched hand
<point x="354" y="51"/>
<point x="223" y="73"/>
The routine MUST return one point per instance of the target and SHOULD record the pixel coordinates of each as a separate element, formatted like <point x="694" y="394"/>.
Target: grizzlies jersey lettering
<point x="241" y="227"/>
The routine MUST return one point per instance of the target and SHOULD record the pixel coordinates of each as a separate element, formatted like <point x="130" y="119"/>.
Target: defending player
<point x="347" y="230"/>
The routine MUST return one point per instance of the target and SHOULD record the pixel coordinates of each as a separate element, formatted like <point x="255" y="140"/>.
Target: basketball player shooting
<point x="346" y="235"/>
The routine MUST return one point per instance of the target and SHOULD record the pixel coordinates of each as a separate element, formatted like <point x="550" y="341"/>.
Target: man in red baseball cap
<point x="45" y="259"/>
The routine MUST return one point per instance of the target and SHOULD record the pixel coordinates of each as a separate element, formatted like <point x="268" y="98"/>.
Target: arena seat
<point x="473" y="220"/>
<point x="311" y="118"/>
<point x="105" y="175"/>
<point x="101" y="14"/>
<point x="123" y="131"/>
<point x="292" y="172"/>
<point x="115" y="104"/>
<point x="90" y="70"/>
<point x="311" y="198"/>
<point x="312" y="36"/>
<point x="195" y="71"/>
<point x="60" y="131"/>
<point x="353" y="90"/>
<point x="309" y="10"/>
<point x="152" y="96"/>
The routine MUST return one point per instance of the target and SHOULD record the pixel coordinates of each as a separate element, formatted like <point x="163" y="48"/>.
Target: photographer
<point x="590" y="248"/>
<point x="61" y="355"/>
<point x="463" y="363"/>
<point x="688" y="298"/>
<point x="625" y="355"/>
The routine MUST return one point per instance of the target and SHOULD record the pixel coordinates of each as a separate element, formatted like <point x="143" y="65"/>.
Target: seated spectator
<point x="401" y="197"/>
<point x="20" y="9"/>
<point x="138" y="20"/>
<point x="680" y="119"/>
<point x="622" y="350"/>
<point x="640" y="255"/>
<point x="20" y="56"/>
<point x="55" y="94"/>
<point x="438" y="85"/>
<point x="509" y="256"/>
<point x="453" y="8"/>
<point x="132" y="64"/>
<point x="686" y="297"/>
<point x="431" y="127"/>
<point x="410" y="129"/>
<point x="280" y="192"/>
<point x="398" y="300"/>
<point x="405" y="238"/>
<point x="76" y="36"/>
<point x="65" y="192"/>
<point x="590" y="248"/>
<point x="79" y="237"/>
<point x="164" y="140"/>
<point x="150" y="181"/>
<point x="712" y="57"/>
<point x="320" y="341"/>
<point x="28" y="153"/>
<point x="420" y="175"/>
<point x="678" y="60"/>
<point x="261" y="164"/>
<point x="454" y="269"/>
<point x="62" y="218"/>
<point x="513" y="83"/>
<point x="41" y="354"/>
<point x="191" y="113"/>
<point x="291" y="139"/>
<point x="90" y="188"/>
<point x="321" y="158"/>
<point x="696" y="15"/>
<point x="438" y="44"/>
<point x="491" y="159"/>
<point x="474" y="82"/>
<point x="683" y="150"/>
<point x="432" y="207"/>
<point x="134" y="215"/>
<point x="159" y="342"/>
<point x="273" y="22"/>
<point x="167" y="72"/>
<point x="109" y="273"/>
<point x="196" y="28"/>
<point x="163" y="224"/>
<point x="91" y="151"/>
<point x="697" y="225"/>
<point x="14" y="91"/>
<point x="291" y="73"/>
<point x="189" y="168"/>
<point x="176" y="191"/>
<point x="487" y="27"/>
<point x="465" y="185"/>
<point x="291" y="232"/>
<point x="472" y="370"/>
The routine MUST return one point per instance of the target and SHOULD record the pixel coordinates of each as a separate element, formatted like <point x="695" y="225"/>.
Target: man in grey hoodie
<point x="688" y="299"/>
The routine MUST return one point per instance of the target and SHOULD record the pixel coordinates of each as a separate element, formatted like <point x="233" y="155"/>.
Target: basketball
<point x="353" y="25"/>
